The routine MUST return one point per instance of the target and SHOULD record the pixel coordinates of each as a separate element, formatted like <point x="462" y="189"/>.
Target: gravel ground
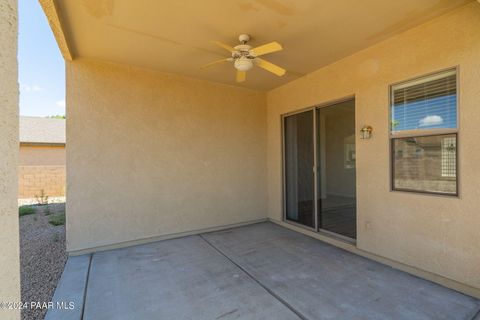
<point x="42" y="258"/>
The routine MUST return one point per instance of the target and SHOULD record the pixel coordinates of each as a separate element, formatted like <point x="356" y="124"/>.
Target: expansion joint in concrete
<point x="86" y="286"/>
<point x="273" y="294"/>
<point x="476" y="316"/>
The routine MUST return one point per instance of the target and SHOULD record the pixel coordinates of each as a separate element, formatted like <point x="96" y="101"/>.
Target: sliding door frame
<point x="315" y="168"/>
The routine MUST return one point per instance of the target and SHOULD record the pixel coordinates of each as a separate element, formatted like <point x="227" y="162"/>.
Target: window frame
<point x="423" y="133"/>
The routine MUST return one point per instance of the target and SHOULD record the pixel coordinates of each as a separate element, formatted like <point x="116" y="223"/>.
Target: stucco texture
<point x="9" y="245"/>
<point x="435" y="233"/>
<point x="152" y="154"/>
<point x="41" y="168"/>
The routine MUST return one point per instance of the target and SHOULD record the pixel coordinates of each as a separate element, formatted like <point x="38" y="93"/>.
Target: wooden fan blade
<point x="266" y="48"/>
<point x="241" y="76"/>
<point x="264" y="64"/>
<point x="223" y="45"/>
<point x="214" y="62"/>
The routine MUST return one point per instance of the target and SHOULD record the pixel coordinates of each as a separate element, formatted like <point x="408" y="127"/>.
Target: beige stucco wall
<point x="433" y="233"/>
<point x="9" y="245"/>
<point x="41" y="168"/>
<point x="152" y="154"/>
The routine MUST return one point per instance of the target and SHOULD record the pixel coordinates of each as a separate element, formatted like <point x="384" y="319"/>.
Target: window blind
<point x="426" y="103"/>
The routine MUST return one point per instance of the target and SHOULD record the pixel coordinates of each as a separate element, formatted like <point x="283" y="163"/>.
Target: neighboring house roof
<point x="42" y="130"/>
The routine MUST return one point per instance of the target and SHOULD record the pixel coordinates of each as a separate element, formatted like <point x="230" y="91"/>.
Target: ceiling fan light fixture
<point x="244" y="57"/>
<point x="243" y="64"/>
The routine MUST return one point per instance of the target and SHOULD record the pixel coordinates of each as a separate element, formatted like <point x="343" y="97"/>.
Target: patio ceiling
<point x="173" y="36"/>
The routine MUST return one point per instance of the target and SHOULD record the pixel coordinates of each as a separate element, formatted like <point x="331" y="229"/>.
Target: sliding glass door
<point x="336" y="196"/>
<point x="319" y="163"/>
<point x="299" y="162"/>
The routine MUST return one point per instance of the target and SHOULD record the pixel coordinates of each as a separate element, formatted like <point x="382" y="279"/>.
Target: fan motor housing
<point x="243" y="47"/>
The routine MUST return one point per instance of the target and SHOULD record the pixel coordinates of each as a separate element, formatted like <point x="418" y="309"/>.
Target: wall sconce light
<point x="366" y="132"/>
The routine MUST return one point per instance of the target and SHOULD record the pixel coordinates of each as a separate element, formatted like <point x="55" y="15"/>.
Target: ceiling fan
<point x="244" y="57"/>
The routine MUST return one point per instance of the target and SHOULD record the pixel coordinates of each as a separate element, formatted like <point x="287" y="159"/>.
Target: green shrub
<point x="57" y="219"/>
<point x="26" y="210"/>
<point x="42" y="199"/>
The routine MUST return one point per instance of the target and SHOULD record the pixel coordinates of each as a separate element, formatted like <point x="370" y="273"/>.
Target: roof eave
<point x="55" y="22"/>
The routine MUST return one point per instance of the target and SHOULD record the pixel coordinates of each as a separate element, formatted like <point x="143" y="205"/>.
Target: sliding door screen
<point x="299" y="163"/>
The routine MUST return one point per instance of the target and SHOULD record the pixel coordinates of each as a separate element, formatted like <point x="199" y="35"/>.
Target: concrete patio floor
<point x="261" y="271"/>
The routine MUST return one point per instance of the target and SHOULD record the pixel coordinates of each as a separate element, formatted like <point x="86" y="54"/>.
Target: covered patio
<point x="259" y="271"/>
<point x="201" y="193"/>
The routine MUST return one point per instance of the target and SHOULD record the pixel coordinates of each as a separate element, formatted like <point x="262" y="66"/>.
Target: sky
<point x="41" y="66"/>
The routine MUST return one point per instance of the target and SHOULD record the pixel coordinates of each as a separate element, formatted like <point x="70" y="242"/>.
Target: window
<point x="424" y="134"/>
